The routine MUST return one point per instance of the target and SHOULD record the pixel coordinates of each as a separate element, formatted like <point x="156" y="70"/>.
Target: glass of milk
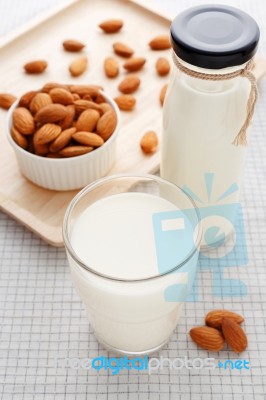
<point x="132" y="243"/>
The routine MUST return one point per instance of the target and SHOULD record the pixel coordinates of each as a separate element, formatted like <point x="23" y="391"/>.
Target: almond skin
<point x="125" y="102"/>
<point x="46" y="134"/>
<point x="25" y="100"/>
<point x="82" y="90"/>
<point x="78" y="66"/>
<point x="73" y="46"/>
<point x="20" y="139"/>
<point x="87" y="121"/>
<point x="88" y="139"/>
<point x="51" y="113"/>
<point x="35" y="67"/>
<point x="41" y="149"/>
<point x="215" y="318"/>
<point x="111" y="67"/>
<point x="62" y="140"/>
<point x="74" y="151"/>
<point x="106" y="107"/>
<point x="107" y="124"/>
<point x="6" y="100"/>
<point x="39" y="101"/>
<point x="234" y="335"/>
<point x="149" y="142"/>
<point x="69" y="118"/>
<point x="163" y="93"/>
<point x="208" y="338"/>
<point x="134" y="64"/>
<point x="61" y="96"/>
<point x="51" y="85"/>
<point x="129" y="85"/>
<point x="111" y="25"/>
<point x="160" y="42"/>
<point x="23" y="121"/>
<point x="162" y="66"/>
<point x="82" y="105"/>
<point x="123" y="50"/>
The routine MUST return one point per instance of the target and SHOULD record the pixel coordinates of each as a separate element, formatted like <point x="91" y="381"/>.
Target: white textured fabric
<point x="42" y="317"/>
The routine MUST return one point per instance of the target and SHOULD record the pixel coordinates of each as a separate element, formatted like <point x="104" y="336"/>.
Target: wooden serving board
<point x="42" y="210"/>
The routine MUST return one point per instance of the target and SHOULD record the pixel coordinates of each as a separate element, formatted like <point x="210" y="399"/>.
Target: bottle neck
<point x="208" y="85"/>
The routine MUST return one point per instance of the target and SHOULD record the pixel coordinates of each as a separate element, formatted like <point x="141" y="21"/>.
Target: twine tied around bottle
<point x="241" y="137"/>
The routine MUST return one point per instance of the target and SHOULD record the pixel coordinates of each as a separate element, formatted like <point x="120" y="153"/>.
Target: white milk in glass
<point x="114" y="236"/>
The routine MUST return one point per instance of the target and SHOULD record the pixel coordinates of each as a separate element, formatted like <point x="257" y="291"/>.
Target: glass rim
<point x="102" y="181"/>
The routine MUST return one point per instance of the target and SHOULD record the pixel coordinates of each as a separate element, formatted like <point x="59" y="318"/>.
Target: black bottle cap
<point x="214" y="36"/>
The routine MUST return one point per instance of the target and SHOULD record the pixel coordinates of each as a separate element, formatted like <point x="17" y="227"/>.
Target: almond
<point x="111" y="67"/>
<point x="82" y="105"/>
<point x="208" y="338"/>
<point x="23" y="121"/>
<point x="73" y="45"/>
<point x="6" y="100"/>
<point x="82" y="90"/>
<point x="69" y="118"/>
<point x="46" y="134"/>
<point x="41" y="149"/>
<point x="162" y="66"/>
<point x="106" y="107"/>
<point x="20" y="139"/>
<point x="129" y="85"/>
<point x="73" y="151"/>
<point x="26" y="98"/>
<point x="134" y="64"/>
<point x="77" y="97"/>
<point x="51" y="85"/>
<point x="62" y="140"/>
<point x="35" y="67"/>
<point x="107" y="124"/>
<point x="85" y="97"/>
<point x="149" y="142"/>
<point x="99" y="99"/>
<point x="111" y="25"/>
<point x="125" y="102"/>
<point x="214" y="318"/>
<point x="160" y="42"/>
<point x="51" y="113"/>
<point x="78" y="66"/>
<point x="61" y="96"/>
<point x="88" y="139"/>
<point x="163" y="93"/>
<point x="39" y="101"/>
<point x="123" y="50"/>
<point x="234" y="335"/>
<point x="87" y="121"/>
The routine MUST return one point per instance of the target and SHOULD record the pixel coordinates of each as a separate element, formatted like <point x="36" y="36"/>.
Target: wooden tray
<point x="42" y="210"/>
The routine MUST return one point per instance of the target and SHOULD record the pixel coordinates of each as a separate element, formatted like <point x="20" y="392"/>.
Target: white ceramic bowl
<point x="66" y="173"/>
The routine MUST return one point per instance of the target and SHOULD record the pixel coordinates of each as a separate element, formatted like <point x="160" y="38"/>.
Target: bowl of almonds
<point x="64" y="136"/>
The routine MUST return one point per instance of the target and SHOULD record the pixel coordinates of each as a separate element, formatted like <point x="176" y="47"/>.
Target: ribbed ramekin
<point x="66" y="173"/>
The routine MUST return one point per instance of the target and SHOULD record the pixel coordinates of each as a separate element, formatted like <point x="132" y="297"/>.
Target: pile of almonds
<point x="63" y="120"/>
<point x="221" y="326"/>
<point x="125" y="101"/>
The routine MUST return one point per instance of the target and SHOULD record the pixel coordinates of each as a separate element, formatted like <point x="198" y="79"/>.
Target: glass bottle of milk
<point x="208" y="108"/>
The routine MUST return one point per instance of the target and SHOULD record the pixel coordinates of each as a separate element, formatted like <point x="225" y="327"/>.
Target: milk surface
<point x="114" y="236"/>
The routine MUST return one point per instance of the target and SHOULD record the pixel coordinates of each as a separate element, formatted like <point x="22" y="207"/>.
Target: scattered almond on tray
<point x="129" y="85"/>
<point x="162" y="66"/>
<point x="125" y="102"/>
<point x="123" y="50"/>
<point x="223" y="326"/>
<point x="111" y="67"/>
<point x="160" y="42"/>
<point x="78" y="66"/>
<point x="111" y="25"/>
<point x="35" y="67"/>
<point x="73" y="46"/>
<point x="134" y="64"/>
<point x="149" y="142"/>
<point x="6" y="100"/>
